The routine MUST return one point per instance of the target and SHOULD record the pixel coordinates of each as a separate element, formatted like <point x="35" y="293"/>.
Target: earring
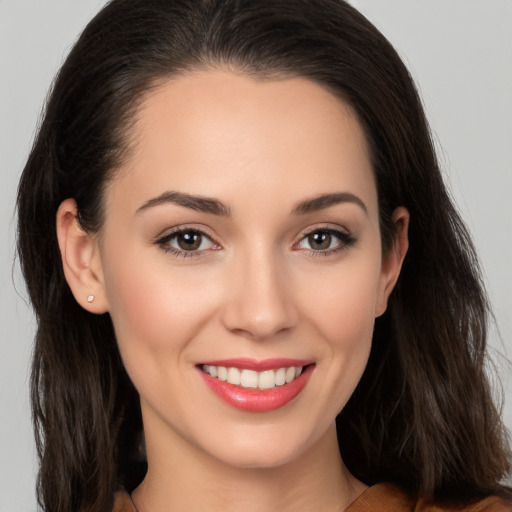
<point x="90" y="298"/>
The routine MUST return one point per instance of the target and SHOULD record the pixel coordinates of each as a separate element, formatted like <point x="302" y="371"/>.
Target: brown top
<point x="388" y="498"/>
<point x="381" y="498"/>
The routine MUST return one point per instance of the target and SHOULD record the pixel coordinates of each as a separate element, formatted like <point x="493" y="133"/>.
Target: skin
<point x="256" y="288"/>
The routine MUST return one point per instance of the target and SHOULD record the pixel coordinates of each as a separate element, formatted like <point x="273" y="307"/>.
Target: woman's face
<point x="243" y="233"/>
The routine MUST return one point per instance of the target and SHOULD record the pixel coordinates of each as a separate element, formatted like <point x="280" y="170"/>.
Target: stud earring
<point x="90" y="298"/>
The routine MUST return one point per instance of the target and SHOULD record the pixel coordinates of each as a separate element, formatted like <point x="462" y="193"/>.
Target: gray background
<point x="459" y="51"/>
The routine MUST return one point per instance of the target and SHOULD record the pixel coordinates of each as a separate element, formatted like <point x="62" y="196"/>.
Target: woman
<point x="255" y="263"/>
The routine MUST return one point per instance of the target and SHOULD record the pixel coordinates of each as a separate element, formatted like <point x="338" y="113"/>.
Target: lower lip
<point x="258" y="400"/>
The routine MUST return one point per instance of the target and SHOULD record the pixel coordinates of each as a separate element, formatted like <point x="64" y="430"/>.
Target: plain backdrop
<point x="460" y="53"/>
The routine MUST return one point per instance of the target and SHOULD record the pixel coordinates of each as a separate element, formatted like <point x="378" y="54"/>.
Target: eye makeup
<point x="323" y="241"/>
<point x="187" y="241"/>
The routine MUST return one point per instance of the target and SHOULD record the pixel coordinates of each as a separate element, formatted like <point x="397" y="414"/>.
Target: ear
<point x="393" y="259"/>
<point x="80" y="259"/>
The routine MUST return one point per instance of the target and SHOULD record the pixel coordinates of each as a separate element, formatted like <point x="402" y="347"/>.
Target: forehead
<point x="214" y="133"/>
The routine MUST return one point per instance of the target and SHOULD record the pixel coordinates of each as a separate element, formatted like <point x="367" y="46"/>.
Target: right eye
<point x="187" y="242"/>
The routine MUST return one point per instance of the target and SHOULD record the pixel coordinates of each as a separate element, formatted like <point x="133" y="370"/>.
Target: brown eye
<point x="320" y="240"/>
<point x="325" y="241"/>
<point x="189" y="240"/>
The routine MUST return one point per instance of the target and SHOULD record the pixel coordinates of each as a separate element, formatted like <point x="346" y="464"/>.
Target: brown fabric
<point x="388" y="498"/>
<point x="381" y="498"/>
<point x="123" y="503"/>
<point x="491" y="504"/>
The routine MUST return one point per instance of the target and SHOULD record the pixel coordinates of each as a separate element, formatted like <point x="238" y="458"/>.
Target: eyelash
<point x="163" y="242"/>
<point x="346" y="240"/>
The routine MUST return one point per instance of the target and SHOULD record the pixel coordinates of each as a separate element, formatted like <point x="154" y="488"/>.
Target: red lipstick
<point x="258" y="366"/>
<point x="258" y="400"/>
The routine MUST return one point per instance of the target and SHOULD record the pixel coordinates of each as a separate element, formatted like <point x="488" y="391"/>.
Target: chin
<point x="264" y="451"/>
<point x="261" y="458"/>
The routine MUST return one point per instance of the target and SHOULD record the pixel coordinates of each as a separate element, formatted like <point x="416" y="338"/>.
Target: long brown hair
<point x="422" y="415"/>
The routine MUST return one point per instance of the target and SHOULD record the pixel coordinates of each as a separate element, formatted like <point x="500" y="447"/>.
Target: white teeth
<point x="248" y="379"/>
<point x="280" y="376"/>
<point x="290" y="374"/>
<point x="267" y="379"/>
<point x="234" y="376"/>
<point x="222" y="372"/>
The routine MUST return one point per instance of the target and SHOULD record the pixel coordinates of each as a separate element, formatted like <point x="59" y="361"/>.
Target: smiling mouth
<point x="254" y="385"/>
<point x="251" y="379"/>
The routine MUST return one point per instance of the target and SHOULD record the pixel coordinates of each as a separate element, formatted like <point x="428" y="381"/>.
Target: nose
<point x="260" y="299"/>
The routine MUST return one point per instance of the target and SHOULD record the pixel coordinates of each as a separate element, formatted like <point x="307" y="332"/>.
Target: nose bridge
<point x="260" y="304"/>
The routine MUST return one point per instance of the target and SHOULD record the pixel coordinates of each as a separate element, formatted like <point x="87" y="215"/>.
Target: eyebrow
<point x="326" y="200"/>
<point x="199" y="203"/>
<point x="216" y="207"/>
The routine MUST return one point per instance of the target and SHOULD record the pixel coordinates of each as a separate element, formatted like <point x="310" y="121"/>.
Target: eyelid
<point x="323" y="227"/>
<point x="180" y="228"/>
<point x="346" y="238"/>
<point x="162" y="240"/>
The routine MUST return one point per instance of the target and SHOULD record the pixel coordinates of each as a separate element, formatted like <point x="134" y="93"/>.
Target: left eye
<point x="324" y="240"/>
<point x="189" y="241"/>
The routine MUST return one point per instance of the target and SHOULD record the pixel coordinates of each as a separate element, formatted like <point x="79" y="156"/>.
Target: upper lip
<point x="246" y="363"/>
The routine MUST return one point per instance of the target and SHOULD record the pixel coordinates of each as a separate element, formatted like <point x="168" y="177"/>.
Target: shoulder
<point x="384" y="498"/>
<point x="123" y="503"/>
<point x="490" y="504"/>
<point x="389" y="498"/>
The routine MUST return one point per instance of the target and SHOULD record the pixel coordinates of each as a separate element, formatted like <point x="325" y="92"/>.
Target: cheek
<point x="341" y="306"/>
<point x="155" y="308"/>
<point x="342" y="302"/>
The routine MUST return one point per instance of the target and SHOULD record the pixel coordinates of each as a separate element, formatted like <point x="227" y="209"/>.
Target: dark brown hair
<point x="422" y="415"/>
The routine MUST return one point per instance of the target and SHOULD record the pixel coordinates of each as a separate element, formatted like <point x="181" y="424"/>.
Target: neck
<point x="183" y="477"/>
